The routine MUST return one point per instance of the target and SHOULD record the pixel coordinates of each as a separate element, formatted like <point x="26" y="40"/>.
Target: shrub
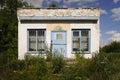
<point x="78" y="69"/>
<point x="68" y="73"/>
<point x="16" y="65"/>
<point x="48" y="55"/>
<point x="101" y="67"/>
<point x="113" y="47"/>
<point x="40" y="68"/>
<point x="37" y="65"/>
<point x="81" y="71"/>
<point x="81" y="67"/>
<point x="57" y="63"/>
<point x="115" y="59"/>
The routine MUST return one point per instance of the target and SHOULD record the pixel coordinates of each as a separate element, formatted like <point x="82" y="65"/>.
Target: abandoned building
<point x="65" y="30"/>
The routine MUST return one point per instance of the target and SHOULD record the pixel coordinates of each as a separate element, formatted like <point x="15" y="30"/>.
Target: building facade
<point x="64" y="30"/>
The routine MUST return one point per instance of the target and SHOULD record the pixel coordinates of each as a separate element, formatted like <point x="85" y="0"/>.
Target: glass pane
<point x="76" y="34"/>
<point x="76" y="44"/>
<point x="58" y="36"/>
<point x="84" y="33"/>
<point x="84" y="40"/>
<point x="41" y="42"/>
<point x="32" y="40"/>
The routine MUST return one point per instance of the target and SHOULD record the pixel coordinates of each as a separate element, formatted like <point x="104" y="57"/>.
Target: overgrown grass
<point x="103" y="66"/>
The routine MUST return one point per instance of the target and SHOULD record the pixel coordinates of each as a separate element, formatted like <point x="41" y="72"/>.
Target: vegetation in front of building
<point x="104" y="66"/>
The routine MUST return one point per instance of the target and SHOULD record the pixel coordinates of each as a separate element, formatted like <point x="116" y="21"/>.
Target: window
<point x="36" y="40"/>
<point x="58" y="36"/>
<point x="80" y="40"/>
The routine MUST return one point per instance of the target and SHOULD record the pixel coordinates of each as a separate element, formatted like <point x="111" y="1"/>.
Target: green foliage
<point x="78" y="70"/>
<point x="57" y="63"/>
<point x="32" y="68"/>
<point x="48" y="54"/>
<point x="81" y="72"/>
<point x="114" y="58"/>
<point x="40" y="68"/>
<point x="102" y="68"/>
<point x="112" y="47"/>
<point x="68" y="73"/>
<point x="53" y="5"/>
<point x="36" y="63"/>
<point x="16" y="65"/>
<point x="9" y="29"/>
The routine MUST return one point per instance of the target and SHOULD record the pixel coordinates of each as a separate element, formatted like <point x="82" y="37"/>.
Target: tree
<point x="8" y="27"/>
<point x="53" y="5"/>
<point x="112" y="47"/>
<point x="1" y="3"/>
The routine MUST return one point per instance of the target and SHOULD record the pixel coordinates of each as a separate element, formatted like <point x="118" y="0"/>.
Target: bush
<point x="81" y="67"/>
<point x="37" y="65"/>
<point x="68" y="73"/>
<point x="57" y="63"/>
<point x="113" y="47"/>
<point x="16" y="65"/>
<point x="78" y="70"/>
<point x="101" y="67"/>
<point x="40" y="68"/>
<point x="48" y="55"/>
<point x="115" y="59"/>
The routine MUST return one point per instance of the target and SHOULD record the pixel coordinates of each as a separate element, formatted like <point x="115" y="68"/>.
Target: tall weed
<point x="57" y="62"/>
<point x="101" y="67"/>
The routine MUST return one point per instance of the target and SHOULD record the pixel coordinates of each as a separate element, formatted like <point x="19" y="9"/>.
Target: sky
<point x="109" y="17"/>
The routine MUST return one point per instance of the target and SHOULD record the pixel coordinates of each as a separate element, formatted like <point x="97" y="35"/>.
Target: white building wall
<point x="22" y="37"/>
<point x="69" y="43"/>
<point x="94" y="38"/>
<point x="94" y="29"/>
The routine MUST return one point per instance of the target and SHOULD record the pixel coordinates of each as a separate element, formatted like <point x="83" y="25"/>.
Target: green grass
<point x="103" y="66"/>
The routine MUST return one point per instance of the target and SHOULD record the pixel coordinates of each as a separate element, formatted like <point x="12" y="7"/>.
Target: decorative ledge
<point x="58" y="17"/>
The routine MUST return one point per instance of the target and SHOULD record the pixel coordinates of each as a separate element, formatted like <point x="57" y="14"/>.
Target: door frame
<point x="65" y="54"/>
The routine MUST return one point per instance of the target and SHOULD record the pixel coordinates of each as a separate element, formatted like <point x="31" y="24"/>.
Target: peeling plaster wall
<point x="59" y="12"/>
<point x="94" y="28"/>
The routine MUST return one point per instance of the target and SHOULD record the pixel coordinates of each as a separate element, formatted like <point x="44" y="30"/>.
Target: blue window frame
<point x="81" y="41"/>
<point x="36" y="40"/>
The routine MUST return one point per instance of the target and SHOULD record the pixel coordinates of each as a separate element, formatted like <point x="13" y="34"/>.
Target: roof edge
<point x="62" y="8"/>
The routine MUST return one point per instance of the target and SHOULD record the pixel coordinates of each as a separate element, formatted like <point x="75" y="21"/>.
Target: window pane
<point x="32" y="40"/>
<point x="76" y="34"/>
<point x="76" y="44"/>
<point x="84" y="40"/>
<point x="41" y="38"/>
<point x="58" y="36"/>
<point x="76" y="41"/>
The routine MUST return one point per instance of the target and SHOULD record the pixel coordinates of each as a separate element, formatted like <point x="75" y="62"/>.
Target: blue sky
<point x="109" y="19"/>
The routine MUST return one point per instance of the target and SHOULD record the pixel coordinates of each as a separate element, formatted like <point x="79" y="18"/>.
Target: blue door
<point x="59" y="42"/>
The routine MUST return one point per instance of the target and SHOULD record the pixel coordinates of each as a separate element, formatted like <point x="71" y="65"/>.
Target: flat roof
<point x="61" y="8"/>
<point x="58" y="13"/>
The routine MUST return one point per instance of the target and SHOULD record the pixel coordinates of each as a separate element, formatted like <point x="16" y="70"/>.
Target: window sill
<point x="36" y="52"/>
<point x="85" y="52"/>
